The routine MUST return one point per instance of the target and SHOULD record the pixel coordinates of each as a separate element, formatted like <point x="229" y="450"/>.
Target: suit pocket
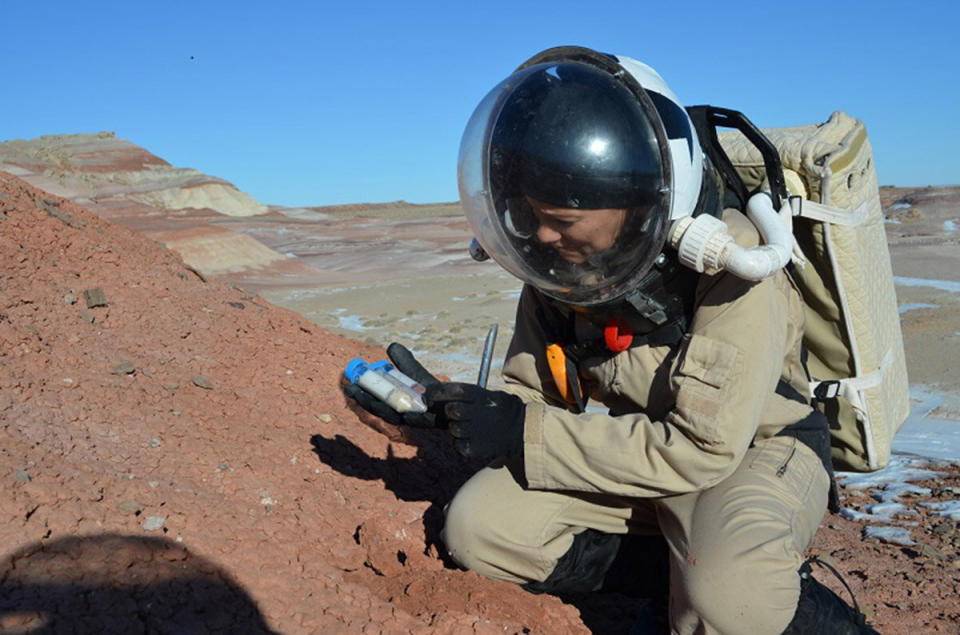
<point x="701" y="381"/>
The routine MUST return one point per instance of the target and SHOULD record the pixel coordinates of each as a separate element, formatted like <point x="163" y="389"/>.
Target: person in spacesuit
<point x="655" y="428"/>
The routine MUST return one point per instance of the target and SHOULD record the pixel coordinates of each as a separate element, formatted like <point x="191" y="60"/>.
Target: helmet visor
<point x="562" y="174"/>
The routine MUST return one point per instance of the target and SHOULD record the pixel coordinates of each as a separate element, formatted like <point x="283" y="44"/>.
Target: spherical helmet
<point x="573" y="129"/>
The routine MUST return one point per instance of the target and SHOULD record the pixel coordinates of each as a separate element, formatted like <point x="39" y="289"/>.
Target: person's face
<point x="577" y="234"/>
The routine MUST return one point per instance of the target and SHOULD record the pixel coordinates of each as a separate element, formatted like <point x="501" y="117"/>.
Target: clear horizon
<point x="307" y="104"/>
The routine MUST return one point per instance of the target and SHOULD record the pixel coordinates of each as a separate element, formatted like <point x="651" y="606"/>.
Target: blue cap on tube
<point x="355" y="368"/>
<point x="382" y="365"/>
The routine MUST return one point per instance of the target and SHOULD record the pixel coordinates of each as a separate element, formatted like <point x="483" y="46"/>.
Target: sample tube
<point x="386" y="386"/>
<point x="392" y="371"/>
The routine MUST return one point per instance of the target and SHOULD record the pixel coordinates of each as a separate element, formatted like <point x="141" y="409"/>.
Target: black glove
<point x="404" y="361"/>
<point x="484" y="423"/>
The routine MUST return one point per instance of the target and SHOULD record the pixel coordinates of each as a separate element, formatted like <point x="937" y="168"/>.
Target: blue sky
<point x="314" y="103"/>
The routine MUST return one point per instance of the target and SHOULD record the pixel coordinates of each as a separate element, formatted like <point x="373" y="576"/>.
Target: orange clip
<point x="557" y="361"/>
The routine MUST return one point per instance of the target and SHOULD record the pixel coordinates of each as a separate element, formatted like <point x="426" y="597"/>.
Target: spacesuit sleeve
<point x="724" y="372"/>
<point x="525" y="370"/>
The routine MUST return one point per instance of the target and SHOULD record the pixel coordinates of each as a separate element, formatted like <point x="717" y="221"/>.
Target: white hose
<point x="757" y="263"/>
<point x="705" y="244"/>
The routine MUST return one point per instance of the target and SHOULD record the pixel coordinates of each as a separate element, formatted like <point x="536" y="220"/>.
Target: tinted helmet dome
<point x="572" y="132"/>
<point x="573" y="136"/>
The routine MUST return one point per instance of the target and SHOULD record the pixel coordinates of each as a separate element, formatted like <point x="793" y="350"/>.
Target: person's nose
<point x="547" y="234"/>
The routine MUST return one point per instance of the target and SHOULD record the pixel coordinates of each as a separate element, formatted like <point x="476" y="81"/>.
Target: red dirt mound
<point x="176" y="455"/>
<point x="150" y="417"/>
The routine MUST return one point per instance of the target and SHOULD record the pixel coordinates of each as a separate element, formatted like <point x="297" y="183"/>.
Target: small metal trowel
<point x="487" y="356"/>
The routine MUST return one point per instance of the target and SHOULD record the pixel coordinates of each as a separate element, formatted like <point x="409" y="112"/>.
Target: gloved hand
<point x="404" y="361"/>
<point x="484" y="423"/>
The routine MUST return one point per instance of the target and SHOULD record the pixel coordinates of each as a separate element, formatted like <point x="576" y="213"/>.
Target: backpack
<point x="855" y="347"/>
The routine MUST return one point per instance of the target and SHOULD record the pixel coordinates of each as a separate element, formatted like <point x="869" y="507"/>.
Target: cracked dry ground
<point x="176" y="456"/>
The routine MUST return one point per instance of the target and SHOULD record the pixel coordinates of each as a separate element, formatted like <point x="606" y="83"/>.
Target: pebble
<point x="153" y="523"/>
<point x="325" y="418"/>
<point x="124" y="368"/>
<point x="128" y="507"/>
<point x="22" y="476"/>
<point x="95" y="297"/>
<point x="201" y="382"/>
<point x="154" y="443"/>
<point x="171" y="386"/>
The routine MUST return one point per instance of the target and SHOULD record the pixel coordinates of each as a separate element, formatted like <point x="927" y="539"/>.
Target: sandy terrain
<point x="181" y="457"/>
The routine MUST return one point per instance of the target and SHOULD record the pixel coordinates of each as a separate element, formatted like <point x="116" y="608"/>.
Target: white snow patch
<point x="952" y="286"/>
<point x="893" y="535"/>
<point x="351" y="323"/>
<point x="950" y="509"/>
<point x="921" y="446"/>
<point x="911" y="306"/>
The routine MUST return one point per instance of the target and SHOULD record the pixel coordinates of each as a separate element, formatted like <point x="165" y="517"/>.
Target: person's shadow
<point x="433" y="475"/>
<point x="112" y="583"/>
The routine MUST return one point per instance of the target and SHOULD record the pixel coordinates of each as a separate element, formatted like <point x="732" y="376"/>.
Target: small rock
<point x="171" y="386"/>
<point x="86" y="316"/>
<point x="154" y="443"/>
<point x="69" y="298"/>
<point x="95" y="297"/>
<point x="22" y="476"/>
<point x="128" y="507"/>
<point x="931" y="552"/>
<point x="124" y="368"/>
<point x="237" y="305"/>
<point x="154" y="523"/>
<point x="201" y="382"/>
<point x="944" y="527"/>
<point x="325" y="418"/>
<point x="153" y="484"/>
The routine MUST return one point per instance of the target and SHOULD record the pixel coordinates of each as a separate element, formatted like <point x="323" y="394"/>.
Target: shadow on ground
<point x="434" y="475"/>
<point x="113" y="583"/>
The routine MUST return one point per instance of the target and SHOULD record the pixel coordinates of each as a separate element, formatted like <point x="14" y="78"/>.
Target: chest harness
<point x="657" y="313"/>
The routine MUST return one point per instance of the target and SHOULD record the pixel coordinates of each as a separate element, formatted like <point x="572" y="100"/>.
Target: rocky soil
<point x="176" y="456"/>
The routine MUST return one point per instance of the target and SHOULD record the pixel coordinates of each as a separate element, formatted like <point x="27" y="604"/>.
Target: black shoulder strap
<point x="706" y="120"/>
<point x="735" y="194"/>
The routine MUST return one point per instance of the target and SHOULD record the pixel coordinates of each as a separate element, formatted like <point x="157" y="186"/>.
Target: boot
<point x="583" y="567"/>
<point x="637" y="566"/>
<point x="822" y="611"/>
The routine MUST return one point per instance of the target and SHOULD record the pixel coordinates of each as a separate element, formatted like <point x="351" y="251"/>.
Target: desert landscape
<point x="178" y="455"/>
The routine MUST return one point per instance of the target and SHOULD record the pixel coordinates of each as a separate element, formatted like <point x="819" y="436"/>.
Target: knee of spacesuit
<point x="462" y="533"/>
<point x="484" y="532"/>
<point x="724" y="596"/>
